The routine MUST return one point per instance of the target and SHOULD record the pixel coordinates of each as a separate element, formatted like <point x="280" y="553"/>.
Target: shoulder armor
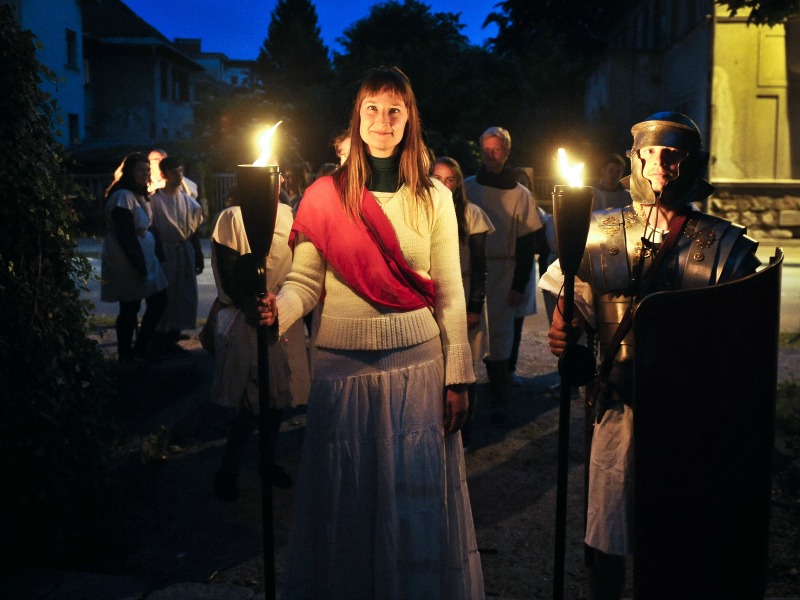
<point x="713" y="250"/>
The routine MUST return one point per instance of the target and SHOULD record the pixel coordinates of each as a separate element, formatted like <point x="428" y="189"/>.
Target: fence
<point x="90" y="204"/>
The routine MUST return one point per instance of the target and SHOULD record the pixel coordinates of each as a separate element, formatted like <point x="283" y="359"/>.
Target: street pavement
<point x="66" y="585"/>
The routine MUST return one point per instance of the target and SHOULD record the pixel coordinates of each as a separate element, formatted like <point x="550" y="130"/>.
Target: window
<point x="180" y="85"/>
<point x="72" y="48"/>
<point x="74" y="128"/>
<point x="164" y="80"/>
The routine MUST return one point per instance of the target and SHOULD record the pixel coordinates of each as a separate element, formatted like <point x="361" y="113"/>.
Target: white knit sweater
<point x="349" y="322"/>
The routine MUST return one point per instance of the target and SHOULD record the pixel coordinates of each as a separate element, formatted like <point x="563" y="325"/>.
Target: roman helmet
<point x="677" y="131"/>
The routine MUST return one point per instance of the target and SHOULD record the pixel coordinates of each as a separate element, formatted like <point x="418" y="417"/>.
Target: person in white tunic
<point x="177" y="217"/>
<point x="473" y="227"/>
<point x="510" y="253"/>
<point x="382" y="508"/>
<point x="130" y="268"/>
<point x="235" y="349"/>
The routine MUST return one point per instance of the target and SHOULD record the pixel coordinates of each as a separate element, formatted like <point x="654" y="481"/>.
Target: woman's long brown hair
<point x="352" y="178"/>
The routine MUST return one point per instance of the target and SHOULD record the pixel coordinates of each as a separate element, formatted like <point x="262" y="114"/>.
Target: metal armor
<point x="617" y="260"/>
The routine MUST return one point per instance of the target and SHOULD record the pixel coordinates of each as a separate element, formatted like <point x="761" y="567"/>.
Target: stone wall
<point x="767" y="214"/>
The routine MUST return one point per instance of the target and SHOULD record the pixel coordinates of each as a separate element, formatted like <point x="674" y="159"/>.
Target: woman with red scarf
<point x="382" y="508"/>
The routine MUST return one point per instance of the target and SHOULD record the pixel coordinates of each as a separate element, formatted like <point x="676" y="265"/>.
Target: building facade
<point x="741" y="84"/>
<point x="59" y="29"/>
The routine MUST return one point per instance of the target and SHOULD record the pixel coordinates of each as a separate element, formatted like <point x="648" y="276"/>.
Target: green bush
<point x="52" y="424"/>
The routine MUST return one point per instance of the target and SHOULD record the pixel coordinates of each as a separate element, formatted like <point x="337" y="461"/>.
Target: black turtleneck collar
<point x="504" y="180"/>
<point x="385" y="173"/>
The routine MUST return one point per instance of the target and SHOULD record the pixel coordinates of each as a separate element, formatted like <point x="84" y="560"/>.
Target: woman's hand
<point x="473" y="320"/>
<point x="260" y="311"/>
<point x="561" y="333"/>
<point x="455" y="407"/>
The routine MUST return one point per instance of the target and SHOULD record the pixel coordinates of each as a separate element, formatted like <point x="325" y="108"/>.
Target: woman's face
<point x="446" y="175"/>
<point x="141" y="173"/>
<point x="383" y="123"/>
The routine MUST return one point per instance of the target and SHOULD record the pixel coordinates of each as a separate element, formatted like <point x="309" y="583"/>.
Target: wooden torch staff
<point x="572" y="210"/>
<point x="257" y="191"/>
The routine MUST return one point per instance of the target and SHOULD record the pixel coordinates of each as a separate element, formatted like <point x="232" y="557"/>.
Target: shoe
<point x="225" y="485"/>
<point x="280" y="478"/>
<point x="516" y="381"/>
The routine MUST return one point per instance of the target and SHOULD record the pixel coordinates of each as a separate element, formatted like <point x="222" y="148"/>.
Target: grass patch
<point x="789" y="340"/>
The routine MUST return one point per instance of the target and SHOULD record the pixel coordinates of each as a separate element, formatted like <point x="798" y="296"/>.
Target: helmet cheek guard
<point x="674" y="130"/>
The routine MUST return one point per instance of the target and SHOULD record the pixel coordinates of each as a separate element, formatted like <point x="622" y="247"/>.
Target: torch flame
<point x="265" y="142"/>
<point x="572" y="173"/>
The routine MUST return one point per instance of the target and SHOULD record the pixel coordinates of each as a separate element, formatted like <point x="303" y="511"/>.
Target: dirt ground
<point x="172" y="529"/>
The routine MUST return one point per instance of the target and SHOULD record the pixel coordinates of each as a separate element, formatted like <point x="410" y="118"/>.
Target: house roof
<point x="112" y="22"/>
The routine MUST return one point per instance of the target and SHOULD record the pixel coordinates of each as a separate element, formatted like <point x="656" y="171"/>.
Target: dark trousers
<point x="512" y="360"/>
<point x="128" y="318"/>
<point x="243" y="426"/>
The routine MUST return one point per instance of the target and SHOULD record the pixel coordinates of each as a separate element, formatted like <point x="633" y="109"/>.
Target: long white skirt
<point x="382" y="507"/>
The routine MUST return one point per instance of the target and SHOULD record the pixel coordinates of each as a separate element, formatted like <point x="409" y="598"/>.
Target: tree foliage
<point x="52" y="426"/>
<point x="764" y="12"/>
<point x="579" y="27"/>
<point x="227" y="127"/>
<point x="293" y="55"/>
<point x="295" y="73"/>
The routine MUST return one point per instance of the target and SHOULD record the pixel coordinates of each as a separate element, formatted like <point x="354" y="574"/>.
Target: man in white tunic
<point x="509" y="255"/>
<point x="177" y="217"/>
<point x="235" y="348"/>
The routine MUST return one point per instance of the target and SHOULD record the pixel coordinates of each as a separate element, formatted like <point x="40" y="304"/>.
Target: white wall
<point x="48" y="20"/>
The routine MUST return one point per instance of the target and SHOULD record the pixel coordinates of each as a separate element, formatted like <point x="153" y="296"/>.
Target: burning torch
<point x="572" y="211"/>
<point x="258" y="187"/>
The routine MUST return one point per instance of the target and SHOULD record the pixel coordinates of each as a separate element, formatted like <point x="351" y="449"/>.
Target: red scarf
<point x="367" y="255"/>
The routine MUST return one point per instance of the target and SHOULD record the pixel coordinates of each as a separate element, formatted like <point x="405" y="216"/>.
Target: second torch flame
<point x="572" y="173"/>
<point x="265" y="143"/>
